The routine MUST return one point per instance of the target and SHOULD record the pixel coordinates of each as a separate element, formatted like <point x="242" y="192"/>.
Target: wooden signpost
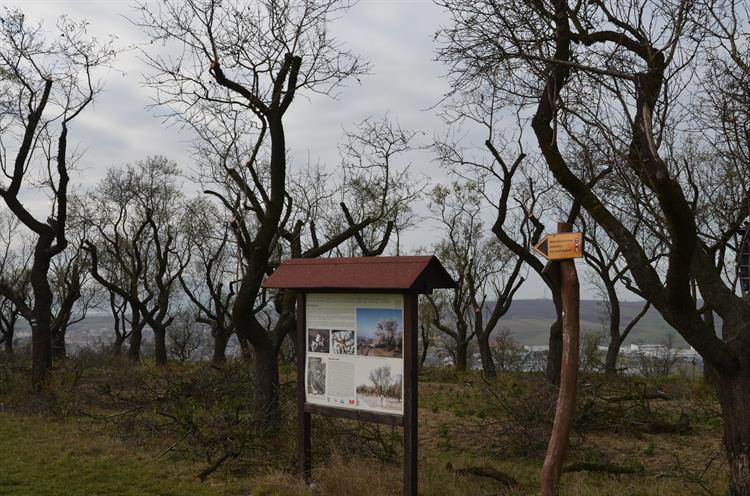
<point x="561" y="246"/>
<point x="356" y="343"/>
<point x="561" y="249"/>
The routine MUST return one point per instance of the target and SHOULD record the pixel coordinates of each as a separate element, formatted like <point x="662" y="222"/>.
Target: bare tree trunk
<point x="136" y="337"/>
<point x="59" y="349"/>
<point x="9" y="334"/>
<point x="41" y="325"/>
<point x="266" y="388"/>
<point x="117" y="346"/>
<point x="221" y="339"/>
<point x="488" y="364"/>
<point x="615" y="341"/>
<point x="709" y="372"/>
<point x="462" y="350"/>
<point x="160" y="346"/>
<point x="613" y="352"/>
<point x="121" y="334"/>
<point x="246" y="349"/>
<point x="483" y="339"/>
<point x="425" y="346"/>
<point x="734" y="396"/>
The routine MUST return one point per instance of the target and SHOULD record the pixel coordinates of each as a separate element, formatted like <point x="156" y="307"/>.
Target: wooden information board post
<point x="356" y="343"/>
<point x="561" y="249"/>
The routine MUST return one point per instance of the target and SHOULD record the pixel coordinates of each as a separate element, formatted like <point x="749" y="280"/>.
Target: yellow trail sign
<point x="561" y="246"/>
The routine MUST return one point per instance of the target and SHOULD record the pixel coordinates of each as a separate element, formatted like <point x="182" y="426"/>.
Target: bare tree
<point x="14" y="268"/>
<point x="384" y="383"/>
<point x="620" y="72"/>
<point x="516" y="187"/>
<point x="46" y="84"/>
<point x="486" y="272"/>
<point x="376" y="181"/>
<point x="122" y="327"/>
<point x="184" y="335"/>
<point x="117" y="233"/>
<point x="209" y="281"/>
<point x="73" y="295"/>
<point x="508" y="354"/>
<point x="241" y="68"/>
<point x="604" y="258"/>
<point x="9" y="315"/>
<point x="140" y="234"/>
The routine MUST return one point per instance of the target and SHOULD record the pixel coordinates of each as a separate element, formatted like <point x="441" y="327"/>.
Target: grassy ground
<point x="120" y="430"/>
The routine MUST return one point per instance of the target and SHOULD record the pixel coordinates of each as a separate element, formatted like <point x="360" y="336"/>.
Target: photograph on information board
<point x="318" y="340"/>
<point x="316" y="376"/>
<point x="343" y="342"/>
<point x="379" y="385"/>
<point x="380" y="332"/>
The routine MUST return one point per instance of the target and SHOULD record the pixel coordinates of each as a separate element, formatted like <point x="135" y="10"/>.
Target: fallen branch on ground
<point x="489" y="472"/>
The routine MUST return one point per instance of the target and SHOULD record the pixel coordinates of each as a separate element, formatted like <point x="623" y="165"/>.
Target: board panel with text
<point x="354" y="355"/>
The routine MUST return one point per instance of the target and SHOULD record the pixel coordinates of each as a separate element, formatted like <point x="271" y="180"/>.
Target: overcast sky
<point x="396" y="36"/>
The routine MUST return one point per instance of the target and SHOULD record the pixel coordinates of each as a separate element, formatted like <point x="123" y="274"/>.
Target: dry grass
<point x="68" y="442"/>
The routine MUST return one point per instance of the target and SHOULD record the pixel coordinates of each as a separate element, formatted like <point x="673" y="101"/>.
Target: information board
<point x="355" y="351"/>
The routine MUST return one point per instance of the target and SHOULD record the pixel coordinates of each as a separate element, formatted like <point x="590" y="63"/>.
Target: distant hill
<point x="529" y="322"/>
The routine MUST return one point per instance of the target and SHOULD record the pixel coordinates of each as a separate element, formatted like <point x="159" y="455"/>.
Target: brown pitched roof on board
<point x="418" y="274"/>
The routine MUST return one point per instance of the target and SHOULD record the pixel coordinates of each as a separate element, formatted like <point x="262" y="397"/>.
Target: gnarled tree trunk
<point x="41" y="324"/>
<point x="267" y="408"/>
<point x="59" y="348"/>
<point x="160" y="346"/>
<point x="221" y="339"/>
<point x="485" y="353"/>
<point x="613" y="352"/>
<point x="734" y="396"/>
<point x="461" y="351"/>
<point x="136" y="337"/>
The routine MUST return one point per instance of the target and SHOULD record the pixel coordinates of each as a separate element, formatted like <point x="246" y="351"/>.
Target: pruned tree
<point x="14" y="263"/>
<point x="73" y="295"/>
<point x="517" y="188"/>
<point x="239" y="71"/>
<point x="486" y="272"/>
<point x="48" y="80"/>
<point x="209" y="281"/>
<point x="139" y="227"/>
<point x="184" y="335"/>
<point x="604" y="258"/>
<point x="116" y="233"/>
<point x="621" y="72"/>
<point x="121" y="325"/>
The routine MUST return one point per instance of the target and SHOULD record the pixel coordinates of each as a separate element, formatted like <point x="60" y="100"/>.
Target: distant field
<point x="529" y="321"/>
